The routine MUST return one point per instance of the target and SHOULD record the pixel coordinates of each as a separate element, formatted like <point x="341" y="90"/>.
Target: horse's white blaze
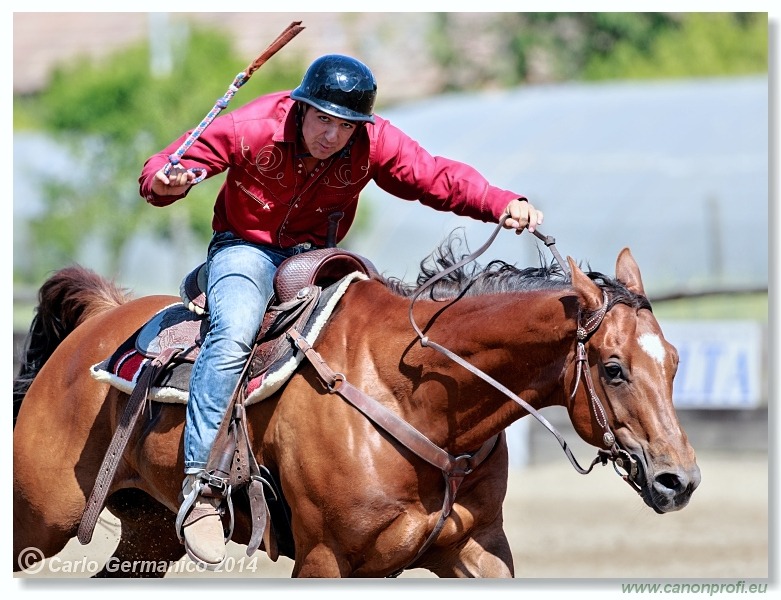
<point x="652" y="344"/>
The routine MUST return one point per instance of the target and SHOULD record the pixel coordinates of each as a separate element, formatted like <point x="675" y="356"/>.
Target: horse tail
<point x="65" y="300"/>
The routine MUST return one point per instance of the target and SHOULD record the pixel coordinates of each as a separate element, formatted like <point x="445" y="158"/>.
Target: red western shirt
<point x="268" y="197"/>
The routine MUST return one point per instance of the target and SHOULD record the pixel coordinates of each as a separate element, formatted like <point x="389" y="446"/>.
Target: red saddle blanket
<point x="176" y="326"/>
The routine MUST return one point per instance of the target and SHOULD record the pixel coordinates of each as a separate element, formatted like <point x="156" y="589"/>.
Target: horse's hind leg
<point x="148" y="544"/>
<point x="35" y="535"/>
<point x="47" y="508"/>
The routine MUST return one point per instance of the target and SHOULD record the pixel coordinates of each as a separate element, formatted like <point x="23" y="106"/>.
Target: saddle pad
<point x="175" y="326"/>
<point x="122" y="369"/>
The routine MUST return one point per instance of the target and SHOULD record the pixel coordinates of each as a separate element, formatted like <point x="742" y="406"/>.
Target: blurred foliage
<point x="554" y="47"/>
<point x="114" y="113"/>
<point x="702" y="44"/>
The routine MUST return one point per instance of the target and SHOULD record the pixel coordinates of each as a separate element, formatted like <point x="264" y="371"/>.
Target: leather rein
<point x="455" y="468"/>
<point x="621" y="458"/>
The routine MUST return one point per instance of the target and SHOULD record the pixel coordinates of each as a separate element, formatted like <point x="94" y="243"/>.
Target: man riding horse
<point x="296" y="162"/>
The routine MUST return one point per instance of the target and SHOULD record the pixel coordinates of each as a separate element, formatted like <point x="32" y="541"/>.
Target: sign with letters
<point x="721" y="363"/>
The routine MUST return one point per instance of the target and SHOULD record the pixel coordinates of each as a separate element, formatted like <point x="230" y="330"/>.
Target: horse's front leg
<point x="485" y="554"/>
<point x="319" y="561"/>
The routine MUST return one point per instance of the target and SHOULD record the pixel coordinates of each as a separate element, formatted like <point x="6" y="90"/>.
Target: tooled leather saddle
<point x="174" y="336"/>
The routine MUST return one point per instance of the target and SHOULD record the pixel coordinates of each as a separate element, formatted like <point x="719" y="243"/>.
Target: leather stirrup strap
<point x="116" y="449"/>
<point x="261" y="521"/>
<point x="231" y="442"/>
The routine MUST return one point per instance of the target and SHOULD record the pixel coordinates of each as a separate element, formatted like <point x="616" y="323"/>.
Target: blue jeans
<point x="240" y="285"/>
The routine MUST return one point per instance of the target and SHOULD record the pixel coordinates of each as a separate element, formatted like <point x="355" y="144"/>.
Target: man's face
<point x="323" y="134"/>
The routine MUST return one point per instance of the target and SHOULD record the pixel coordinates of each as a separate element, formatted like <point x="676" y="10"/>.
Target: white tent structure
<point x="675" y="170"/>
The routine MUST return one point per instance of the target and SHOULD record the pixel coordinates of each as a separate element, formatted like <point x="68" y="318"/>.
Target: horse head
<point x="632" y="367"/>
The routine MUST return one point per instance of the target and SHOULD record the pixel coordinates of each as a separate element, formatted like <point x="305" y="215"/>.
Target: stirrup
<point x="201" y="481"/>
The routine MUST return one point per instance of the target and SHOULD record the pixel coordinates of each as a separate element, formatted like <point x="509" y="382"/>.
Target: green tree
<point x="552" y="47"/>
<point x="701" y="44"/>
<point x="111" y="115"/>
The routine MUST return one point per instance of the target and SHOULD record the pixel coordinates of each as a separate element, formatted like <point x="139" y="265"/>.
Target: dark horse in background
<point x="360" y="504"/>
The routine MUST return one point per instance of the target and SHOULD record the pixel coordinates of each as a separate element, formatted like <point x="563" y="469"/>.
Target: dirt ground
<point x="566" y="526"/>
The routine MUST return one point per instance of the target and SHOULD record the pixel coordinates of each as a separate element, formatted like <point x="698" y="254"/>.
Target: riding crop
<point x="282" y="39"/>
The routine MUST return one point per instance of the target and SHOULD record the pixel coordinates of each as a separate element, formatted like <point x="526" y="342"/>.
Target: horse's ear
<point x="628" y="273"/>
<point x="588" y="291"/>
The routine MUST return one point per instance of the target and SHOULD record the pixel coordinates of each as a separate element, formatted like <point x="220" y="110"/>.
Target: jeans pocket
<point x="220" y="240"/>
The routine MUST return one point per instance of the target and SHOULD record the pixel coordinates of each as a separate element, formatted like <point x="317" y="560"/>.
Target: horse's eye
<point x="613" y="371"/>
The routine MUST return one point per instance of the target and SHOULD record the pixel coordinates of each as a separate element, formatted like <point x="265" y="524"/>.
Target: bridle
<point x="620" y="458"/>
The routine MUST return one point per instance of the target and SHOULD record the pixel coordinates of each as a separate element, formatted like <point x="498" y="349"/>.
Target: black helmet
<point x="340" y="86"/>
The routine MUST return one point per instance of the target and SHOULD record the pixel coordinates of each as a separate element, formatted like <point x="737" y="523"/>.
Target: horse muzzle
<point x="666" y="490"/>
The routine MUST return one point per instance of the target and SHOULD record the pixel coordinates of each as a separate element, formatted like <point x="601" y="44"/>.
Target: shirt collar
<point x="287" y="131"/>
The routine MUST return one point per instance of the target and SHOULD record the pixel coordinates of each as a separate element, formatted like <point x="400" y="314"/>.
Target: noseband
<point x="620" y="458"/>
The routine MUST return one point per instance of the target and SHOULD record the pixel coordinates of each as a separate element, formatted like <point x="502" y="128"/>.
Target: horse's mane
<point x="498" y="277"/>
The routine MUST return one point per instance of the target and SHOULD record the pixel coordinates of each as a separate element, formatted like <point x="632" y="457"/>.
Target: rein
<point x="621" y="458"/>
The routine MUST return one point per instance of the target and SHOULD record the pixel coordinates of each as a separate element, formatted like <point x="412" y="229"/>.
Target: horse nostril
<point x="670" y="484"/>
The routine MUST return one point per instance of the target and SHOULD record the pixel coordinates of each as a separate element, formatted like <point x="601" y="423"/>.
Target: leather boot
<point x="204" y="539"/>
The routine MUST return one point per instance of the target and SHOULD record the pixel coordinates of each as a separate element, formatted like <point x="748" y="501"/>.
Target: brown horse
<point x="360" y="504"/>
